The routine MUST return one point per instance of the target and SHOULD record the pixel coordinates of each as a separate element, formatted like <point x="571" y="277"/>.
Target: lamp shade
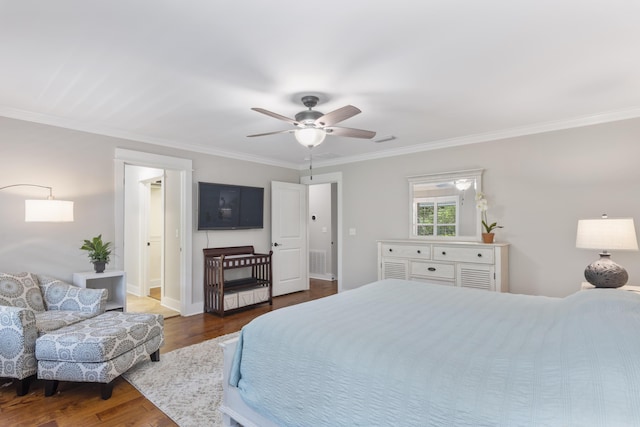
<point x="310" y="136"/>
<point x="48" y="210"/>
<point x="607" y="234"/>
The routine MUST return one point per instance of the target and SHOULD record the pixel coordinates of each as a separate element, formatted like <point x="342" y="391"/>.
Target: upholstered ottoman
<point x="99" y="349"/>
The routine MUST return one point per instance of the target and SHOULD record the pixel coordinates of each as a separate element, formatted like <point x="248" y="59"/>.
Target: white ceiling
<point x="431" y="73"/>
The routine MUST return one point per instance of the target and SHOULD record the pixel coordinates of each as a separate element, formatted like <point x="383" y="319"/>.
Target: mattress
<point x="402" y="353"/>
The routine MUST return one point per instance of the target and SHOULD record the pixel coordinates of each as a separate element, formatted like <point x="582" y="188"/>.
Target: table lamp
<point x="606" y="234"/>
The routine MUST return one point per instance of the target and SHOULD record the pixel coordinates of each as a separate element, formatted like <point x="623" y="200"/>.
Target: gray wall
<point x="538" y="187"/>
<point x="80" y="167"/>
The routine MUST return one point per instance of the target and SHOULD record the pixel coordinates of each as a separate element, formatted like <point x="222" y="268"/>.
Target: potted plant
<point x="488" y="235"/>
<point x="99" y="252"/>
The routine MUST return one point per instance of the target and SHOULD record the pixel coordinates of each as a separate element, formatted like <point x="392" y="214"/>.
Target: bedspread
<point x="401" y="353"/>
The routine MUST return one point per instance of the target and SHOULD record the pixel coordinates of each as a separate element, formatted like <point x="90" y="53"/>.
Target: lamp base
<point x="605" y="273"/>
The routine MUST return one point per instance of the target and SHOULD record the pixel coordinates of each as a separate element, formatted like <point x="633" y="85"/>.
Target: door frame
<point x="331" y="178"/>
<point x="184" y="166"/>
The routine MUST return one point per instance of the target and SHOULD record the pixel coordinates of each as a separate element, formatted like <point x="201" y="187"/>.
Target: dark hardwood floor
<point x="79" y="404"/>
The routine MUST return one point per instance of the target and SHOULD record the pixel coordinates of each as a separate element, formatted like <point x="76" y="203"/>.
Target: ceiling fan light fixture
<point x="463" y="184"/>
<point x="310" y="137"/>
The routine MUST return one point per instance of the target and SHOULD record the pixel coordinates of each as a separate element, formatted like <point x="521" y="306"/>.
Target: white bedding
<point x="400" y="353"/>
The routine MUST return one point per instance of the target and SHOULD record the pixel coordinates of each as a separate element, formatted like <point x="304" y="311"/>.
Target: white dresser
<point x="467" y="264"/>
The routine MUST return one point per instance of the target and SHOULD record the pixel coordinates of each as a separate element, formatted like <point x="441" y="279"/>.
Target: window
<point x="436" y="216"/>
<point x="442" y="208"/>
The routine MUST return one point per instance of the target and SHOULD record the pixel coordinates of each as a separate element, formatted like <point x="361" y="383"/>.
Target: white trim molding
<point x="184" y="166"/>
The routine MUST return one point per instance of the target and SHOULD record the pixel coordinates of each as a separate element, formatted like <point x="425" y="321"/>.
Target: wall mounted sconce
<point x="45" y="210"/>
<point x="605" y="234"/>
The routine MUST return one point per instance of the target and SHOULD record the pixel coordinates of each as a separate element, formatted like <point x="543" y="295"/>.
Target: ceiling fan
<point x="313" y="126"/>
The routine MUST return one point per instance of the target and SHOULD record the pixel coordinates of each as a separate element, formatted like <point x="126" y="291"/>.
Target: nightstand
<point x="115" y="281"/>
<point x="630" y="288"/>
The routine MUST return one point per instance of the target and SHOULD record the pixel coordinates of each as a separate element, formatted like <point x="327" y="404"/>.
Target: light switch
<point x="352" y="231"/>
<point x="324" y="229"/>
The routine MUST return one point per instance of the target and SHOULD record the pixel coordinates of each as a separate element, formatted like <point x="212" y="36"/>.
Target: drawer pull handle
<point x="479" y="255"/>
<point x="444" y="253"/>
<point x="419" y="251"/>
<point x="390" y="250"/>
<point x="431" y="269"/>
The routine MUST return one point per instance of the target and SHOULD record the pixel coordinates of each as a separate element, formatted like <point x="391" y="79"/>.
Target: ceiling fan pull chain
<point x="310" y="163"/>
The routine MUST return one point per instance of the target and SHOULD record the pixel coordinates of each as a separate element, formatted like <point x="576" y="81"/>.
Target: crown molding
<point x="594" y="119"/>
<point x="18" y="114"/>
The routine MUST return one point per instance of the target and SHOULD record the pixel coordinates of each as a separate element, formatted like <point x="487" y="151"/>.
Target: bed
<point x="402" y="353"/>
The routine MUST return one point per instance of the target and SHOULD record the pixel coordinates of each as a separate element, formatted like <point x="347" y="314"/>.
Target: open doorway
<point x="152" y="239"/>
<point x="323" y="233"/>
<point x="148" y="258"/>
<point x="176" y="262"/>
<point x="331" y="204"/>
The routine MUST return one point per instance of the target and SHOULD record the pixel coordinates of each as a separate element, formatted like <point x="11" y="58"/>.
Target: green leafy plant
<point x="481" y="203"/>
<point x="98" y="250"/>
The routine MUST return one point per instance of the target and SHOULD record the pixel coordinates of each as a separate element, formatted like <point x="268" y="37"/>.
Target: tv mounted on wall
<point x="229" y="207"/>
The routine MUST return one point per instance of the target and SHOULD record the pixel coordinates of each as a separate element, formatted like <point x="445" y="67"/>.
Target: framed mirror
<point x="442" y="206"/>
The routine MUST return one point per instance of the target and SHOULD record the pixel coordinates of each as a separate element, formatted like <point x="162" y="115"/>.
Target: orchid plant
<point x="482" y="205"/>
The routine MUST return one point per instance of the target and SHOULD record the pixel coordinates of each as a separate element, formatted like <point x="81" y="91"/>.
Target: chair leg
<point x="105" y="390"/>
<point x="155" y="356"/>
<point x="50" y="387"/>
<point x="22" y="386"/>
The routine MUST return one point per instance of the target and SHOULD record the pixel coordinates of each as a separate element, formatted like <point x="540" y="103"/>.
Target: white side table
<point x="630" y="288"/>
<point x="114" y="281"/>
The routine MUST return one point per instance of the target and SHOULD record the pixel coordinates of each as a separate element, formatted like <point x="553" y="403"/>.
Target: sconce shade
<point x="310" y="136"/>
<point x="48" y="210"/>
<point x="606" y="234"/>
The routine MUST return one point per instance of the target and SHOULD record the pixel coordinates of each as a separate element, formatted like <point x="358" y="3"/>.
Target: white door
<point x="289" y="237"/>
<point x="154" y="234"/>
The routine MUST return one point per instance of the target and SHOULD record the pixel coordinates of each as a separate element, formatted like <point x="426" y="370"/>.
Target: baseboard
<point x="134" y="290"/>
<point x="171" y="303"/>
<point x="193" y="309"/>
<point x="326" y="276"/>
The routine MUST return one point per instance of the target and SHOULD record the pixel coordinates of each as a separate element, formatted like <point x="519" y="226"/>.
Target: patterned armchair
<point x="32" y="305"/>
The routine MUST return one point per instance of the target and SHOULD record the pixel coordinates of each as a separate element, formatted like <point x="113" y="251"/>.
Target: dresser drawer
<point x="406" y="251"/>
<point x="448" y="253"/>
<point x="433" y="269"/>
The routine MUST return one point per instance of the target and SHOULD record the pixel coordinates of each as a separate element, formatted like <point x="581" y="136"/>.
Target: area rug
<point x="186" y="384"/>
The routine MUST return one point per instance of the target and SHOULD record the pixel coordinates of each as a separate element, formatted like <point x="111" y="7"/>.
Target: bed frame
<point x="234" y="411"/>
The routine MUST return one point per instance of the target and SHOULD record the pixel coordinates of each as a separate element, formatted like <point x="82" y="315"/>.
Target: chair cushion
<point x="99" y="339"/>
<point x="48" y="321"/>
<point x="21" y="290"/>
<point x="60" y="295"/>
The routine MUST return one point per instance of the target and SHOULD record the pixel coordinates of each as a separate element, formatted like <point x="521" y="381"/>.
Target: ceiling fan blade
<point x="271" y="133"/>
<point x="350" y="132"/>
<point x="336" y="116"/>
<point x="276" y="116"/>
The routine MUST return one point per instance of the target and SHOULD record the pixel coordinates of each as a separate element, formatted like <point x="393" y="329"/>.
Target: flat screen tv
<point x="229" y="207"/>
